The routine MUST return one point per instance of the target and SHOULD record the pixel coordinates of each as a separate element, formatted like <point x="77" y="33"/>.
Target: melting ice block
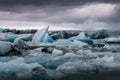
<point x="42" y="36"/>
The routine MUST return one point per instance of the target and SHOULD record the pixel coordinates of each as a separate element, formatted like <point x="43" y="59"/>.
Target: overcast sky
<point x="60" y="14"/>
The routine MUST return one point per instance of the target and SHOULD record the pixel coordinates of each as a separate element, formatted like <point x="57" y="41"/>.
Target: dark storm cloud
<point x="86" y="13"/>
<point x="115" y="18"/>
<point x="51" y="2"/>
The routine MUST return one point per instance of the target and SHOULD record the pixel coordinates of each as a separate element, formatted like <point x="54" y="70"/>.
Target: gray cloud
<point x="52" y="2"/>
<point x="78" y="13"/>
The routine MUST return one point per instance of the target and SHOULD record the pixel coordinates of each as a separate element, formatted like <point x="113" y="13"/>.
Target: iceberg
<point x="42" y="36"/>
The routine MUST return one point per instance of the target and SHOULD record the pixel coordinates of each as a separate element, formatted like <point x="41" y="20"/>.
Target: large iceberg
<point x="42" y="36"/>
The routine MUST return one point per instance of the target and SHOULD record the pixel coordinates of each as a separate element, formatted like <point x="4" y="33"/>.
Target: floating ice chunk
<point x="99" y="41"/>
<point x="66" y="42"/>
<point x="113" y="40"/>
<point x="79" y="43"/>
<point x="76" y="67"/>
<point x="1" y="30"/>
<point x="82" y="37"/>
<point x="42" y="59"/>
<point x="63" y="42"/>
<point x="102" y="34"/>
<point x="41" y="36"/>
<point x="115" y="47"/>
<point x="57" y="52"/>
<point x="106" y="58"/>
<point x="25" y="37"/>
<point x="20" y="43"/>
<point x="17" y="65"/>
<point x="48" y="38"/>
<point x="68" y="55"/>
<point x="10" y="37"/>
<point x="5" y="47"/>
<point x="35" y="73"/>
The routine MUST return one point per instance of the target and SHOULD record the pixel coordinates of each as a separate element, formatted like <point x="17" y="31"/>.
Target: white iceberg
<point x="42" y="36"/>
